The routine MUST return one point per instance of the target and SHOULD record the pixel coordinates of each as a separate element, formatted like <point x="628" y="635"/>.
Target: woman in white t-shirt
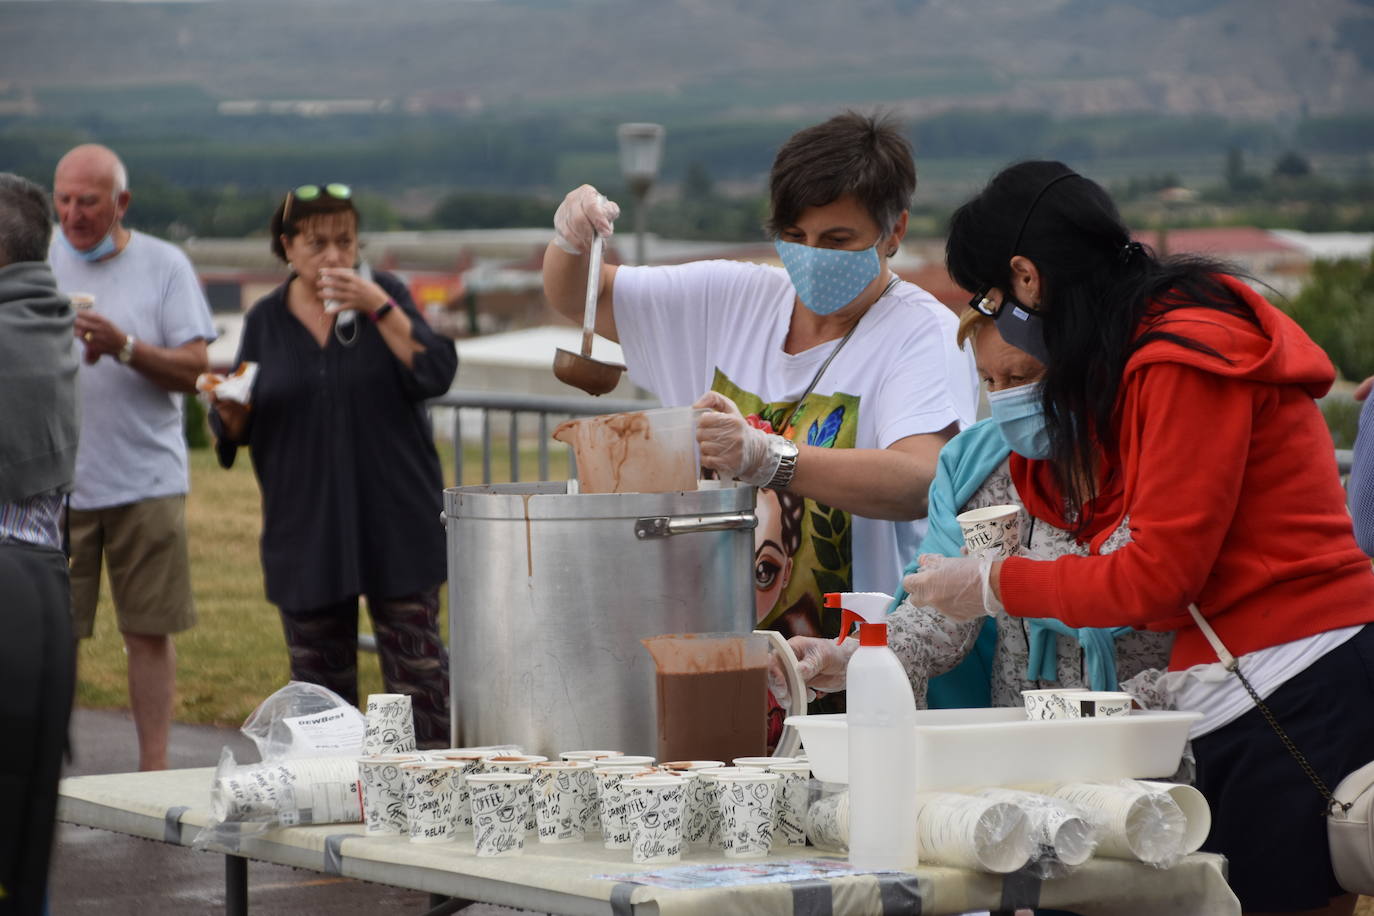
<point x="829" y="378"/>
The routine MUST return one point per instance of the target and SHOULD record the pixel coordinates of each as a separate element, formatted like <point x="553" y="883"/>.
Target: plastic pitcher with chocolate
<point x="712" y="695"/>
<point x="645" y="451"/>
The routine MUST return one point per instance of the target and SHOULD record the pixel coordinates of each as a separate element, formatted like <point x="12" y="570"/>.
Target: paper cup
<point x="625" y="760"/>
<point x="654" y="807"/>
<point x="1134" y="821"/>
<point x="1099" y="704"/>
<point x="1197" y="813"/>
<point x="688" y="766"/>
<point x="82" y="301"/>
<point x="589" y="755"/>
<point x="611" y="799"/>
<point x="517" y="763"/>
<point x="500" y="806"/>
<point x="695" y="806"/>
<point x="390" y="725"/>
<point x="970" y="831"/>
<point x="761" y="763"/>
<point x="461" y="763"/>
<point x="562" y="794"/>
<point x="789" y="822"/>
<point x="428" y="788"/>
<point x="384" y="809"/>
<point x="1049" y="702"/>
<point x="992" y="532"/>
<point x="746" y="812"/>
<point x="710" y="801"/>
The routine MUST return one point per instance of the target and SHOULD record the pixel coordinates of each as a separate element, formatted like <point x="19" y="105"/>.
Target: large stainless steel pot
<point x="551" y="592"/>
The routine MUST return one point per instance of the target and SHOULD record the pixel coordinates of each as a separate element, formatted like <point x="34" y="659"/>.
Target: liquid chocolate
<point x="715" y="715"/>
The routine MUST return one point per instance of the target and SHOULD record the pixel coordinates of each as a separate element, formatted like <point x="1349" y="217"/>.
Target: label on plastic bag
<point x="337" y="731"/>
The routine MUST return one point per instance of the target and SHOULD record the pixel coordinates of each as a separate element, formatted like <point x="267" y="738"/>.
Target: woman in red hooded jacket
<point x="1180" y="409"/>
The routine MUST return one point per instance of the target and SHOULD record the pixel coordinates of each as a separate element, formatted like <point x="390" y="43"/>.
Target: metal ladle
<point x="580" y="370"/>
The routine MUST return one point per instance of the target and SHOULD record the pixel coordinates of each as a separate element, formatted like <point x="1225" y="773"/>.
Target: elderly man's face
<point x="87" y="205"/>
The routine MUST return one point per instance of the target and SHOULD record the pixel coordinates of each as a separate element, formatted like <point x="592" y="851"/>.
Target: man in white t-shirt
<point x="830" y="381"/>
<point x="143" y="343"/>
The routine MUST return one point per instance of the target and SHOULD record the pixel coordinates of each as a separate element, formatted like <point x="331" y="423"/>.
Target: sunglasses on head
<point x="309" y="192"/>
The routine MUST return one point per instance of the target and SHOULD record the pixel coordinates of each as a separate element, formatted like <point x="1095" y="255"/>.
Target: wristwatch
<point x="126" y="352"/>
<point x="787" y="463"/>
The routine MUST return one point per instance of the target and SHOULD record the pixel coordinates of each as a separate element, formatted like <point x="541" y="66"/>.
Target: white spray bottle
<point x="881" y="717"/>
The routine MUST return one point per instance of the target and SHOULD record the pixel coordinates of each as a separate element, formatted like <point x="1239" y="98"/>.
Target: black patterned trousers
<point x="323" y="644"/>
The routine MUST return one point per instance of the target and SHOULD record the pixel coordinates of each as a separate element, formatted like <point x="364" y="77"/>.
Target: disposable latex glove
<point x="583" y="214"/>
<point x="957" y="587"/>
<point x="822" y="663"/>
<point x="730" y="446"/>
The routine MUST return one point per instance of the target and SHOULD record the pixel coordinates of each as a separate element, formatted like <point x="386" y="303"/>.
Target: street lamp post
<point x="641" y="150"/>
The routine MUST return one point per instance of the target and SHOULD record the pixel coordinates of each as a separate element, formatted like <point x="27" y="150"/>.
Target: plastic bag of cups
<point x="1052" y="827"/>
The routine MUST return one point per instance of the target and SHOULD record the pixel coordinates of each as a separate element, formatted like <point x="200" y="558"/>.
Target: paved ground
<point x="98" y="872"/>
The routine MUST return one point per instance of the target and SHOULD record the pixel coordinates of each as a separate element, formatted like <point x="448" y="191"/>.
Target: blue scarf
<point x="964" y="464"/>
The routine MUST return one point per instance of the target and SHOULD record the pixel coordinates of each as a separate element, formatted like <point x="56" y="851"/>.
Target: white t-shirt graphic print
<point x="683" y="325"/>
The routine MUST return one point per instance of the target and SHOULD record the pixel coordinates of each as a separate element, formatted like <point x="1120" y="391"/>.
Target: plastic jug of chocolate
<point x="712" y="695"/>
<point x="647" y="451"/>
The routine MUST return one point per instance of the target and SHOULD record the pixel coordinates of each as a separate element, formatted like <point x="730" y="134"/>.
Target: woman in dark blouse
<point x="344" y="455"/>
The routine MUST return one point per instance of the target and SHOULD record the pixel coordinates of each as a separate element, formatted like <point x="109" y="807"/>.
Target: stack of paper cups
<point x="969" y="831"/>
<point x="1056" y="825"/>
<point x="390" y="725"/>
<point x="1134" y="820"/>
<point x="827" y="819"/>
<point x="313" y="790"/>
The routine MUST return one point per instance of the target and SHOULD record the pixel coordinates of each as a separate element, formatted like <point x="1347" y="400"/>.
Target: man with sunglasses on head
<point x="143" y="344"/>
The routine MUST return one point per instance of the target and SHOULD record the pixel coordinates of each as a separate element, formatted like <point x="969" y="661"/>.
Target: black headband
<point x="1015" y="246"/>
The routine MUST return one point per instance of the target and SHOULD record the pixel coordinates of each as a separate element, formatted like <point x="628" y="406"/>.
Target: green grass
<point x="236" y="655"/>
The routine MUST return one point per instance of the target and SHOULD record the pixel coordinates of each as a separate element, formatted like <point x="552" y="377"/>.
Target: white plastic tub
<point x="1001" y="747"/>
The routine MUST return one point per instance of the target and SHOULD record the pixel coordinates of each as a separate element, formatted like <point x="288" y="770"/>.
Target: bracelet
<point x="380" y="312"/>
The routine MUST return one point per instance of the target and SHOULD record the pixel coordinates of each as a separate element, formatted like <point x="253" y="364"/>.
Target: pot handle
<point x="662" y="526"/>
<point x="790" y="739"/>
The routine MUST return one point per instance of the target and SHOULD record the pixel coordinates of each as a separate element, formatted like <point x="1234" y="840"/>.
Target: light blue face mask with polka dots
<point x="828" y="279"/>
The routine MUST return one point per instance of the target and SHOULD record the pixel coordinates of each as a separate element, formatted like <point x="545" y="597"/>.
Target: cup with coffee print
<point x="428" y="788"/>
<point x="1049" y="702"/>
<point x="746" y="811"/>
<point x="500" y="805"/>
<point x="561" y="795"/>
<point x="654" y="807"/>
<point x="390" y="724"/>
<point x="384" y="792"/>
<point x="992" y="532"/>
<point x="463" y="763"/>
<point x="695" y="809"/>
<point x="517" y="763"/>
<point x="611" y="795"/>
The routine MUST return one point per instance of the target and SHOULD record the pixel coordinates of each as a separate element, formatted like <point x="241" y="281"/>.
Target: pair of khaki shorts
<point x="144" y="548"/>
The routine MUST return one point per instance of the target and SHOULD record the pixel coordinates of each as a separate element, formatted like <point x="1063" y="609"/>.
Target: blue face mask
<point x="828" y="279"/>
<point x="1023" y="329"/>
<point x="1020" y="416"/>
<point x="103" y="248"/>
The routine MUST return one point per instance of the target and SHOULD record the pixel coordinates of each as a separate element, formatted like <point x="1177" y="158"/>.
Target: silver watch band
<point x="787" y="463"/>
